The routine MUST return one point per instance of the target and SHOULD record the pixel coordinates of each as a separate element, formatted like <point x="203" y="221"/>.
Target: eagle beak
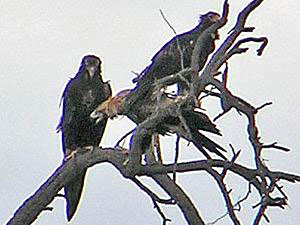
<point x="97" y="115"/>
<point x="91" y="70"/>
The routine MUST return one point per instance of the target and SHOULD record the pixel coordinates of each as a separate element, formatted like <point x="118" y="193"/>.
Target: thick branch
<point x="226" y="196"/>
<point x="205" y="165"/>
<point x="45" y="194"/>
<point x="183" y="201"/>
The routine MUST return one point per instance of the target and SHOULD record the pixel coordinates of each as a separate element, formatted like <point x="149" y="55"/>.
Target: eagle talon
<point x="89" y="148"/>
<point x="71" y="155"/>
<point x="125" y="163"/>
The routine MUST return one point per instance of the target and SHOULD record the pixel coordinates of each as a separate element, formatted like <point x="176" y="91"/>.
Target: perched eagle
<point x="167" y="60"/>
<point x="195" y="121"/>
<point x="82" y="95"/>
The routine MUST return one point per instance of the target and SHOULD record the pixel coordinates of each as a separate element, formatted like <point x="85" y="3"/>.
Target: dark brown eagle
<point x="81" y="96"/>
<point x="195" y="121"/>
<point x="167" y="60"/>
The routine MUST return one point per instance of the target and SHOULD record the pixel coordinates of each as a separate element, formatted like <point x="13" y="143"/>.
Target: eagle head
<point x="210" y="18"/>
<point x="92" y="65"/>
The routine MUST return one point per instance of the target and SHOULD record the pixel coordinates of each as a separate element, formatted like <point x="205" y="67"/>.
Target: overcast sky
<point x="42" y="43"/>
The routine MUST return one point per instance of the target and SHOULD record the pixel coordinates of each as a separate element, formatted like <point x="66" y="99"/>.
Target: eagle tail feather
<point x="73" y="192"/>
<point x="201" y="142"/>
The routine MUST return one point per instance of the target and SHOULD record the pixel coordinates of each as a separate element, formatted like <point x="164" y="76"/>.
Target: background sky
<point x="42" y="43"/>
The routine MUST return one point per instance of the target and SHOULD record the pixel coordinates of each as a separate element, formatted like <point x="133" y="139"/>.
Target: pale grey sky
<point x="42" y="43"/>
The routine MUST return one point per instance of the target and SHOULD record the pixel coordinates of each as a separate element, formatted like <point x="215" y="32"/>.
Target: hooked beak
<point x="97" y="115"/>
<point x="91" y="71"/>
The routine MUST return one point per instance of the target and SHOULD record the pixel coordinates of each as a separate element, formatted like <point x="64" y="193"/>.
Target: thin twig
<point x="245" y="197"/>
<point x="275" y="146"/>
<point x="155" y="200"/>
<point x="176" y="157"/>
<point x="234" y="158"/>
<point x="263" y="105"/>
<point x="158" y="148"/>
<point x="226" y="196"/>
<point x="177" y="41"/>
<point x="48" y="209"/>
<point x="236" y="204"/>
<point x="160" y="212"/>
<point x="260" y="214"/>
<point x="151" y="194"/>
<point x="123" y="137"/>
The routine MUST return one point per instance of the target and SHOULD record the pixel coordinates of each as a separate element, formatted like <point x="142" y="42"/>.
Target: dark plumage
<point x="167" y="60"/>
<point x="196" y="122"/>
<point x="82" y="95"/>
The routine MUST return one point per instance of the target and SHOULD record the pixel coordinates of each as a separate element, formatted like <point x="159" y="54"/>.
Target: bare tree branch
<point x="177" y="41"/>
<point x="176" y="157"/>
<point x="160" y="107"/>
<point x="45" y="194"/>
<point x="185" y="204"/>
<point x="216" y="61"/>
<point x="236" y="49"/>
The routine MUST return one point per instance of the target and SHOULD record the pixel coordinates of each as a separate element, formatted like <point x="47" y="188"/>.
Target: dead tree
<point x="265" y="181"/>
